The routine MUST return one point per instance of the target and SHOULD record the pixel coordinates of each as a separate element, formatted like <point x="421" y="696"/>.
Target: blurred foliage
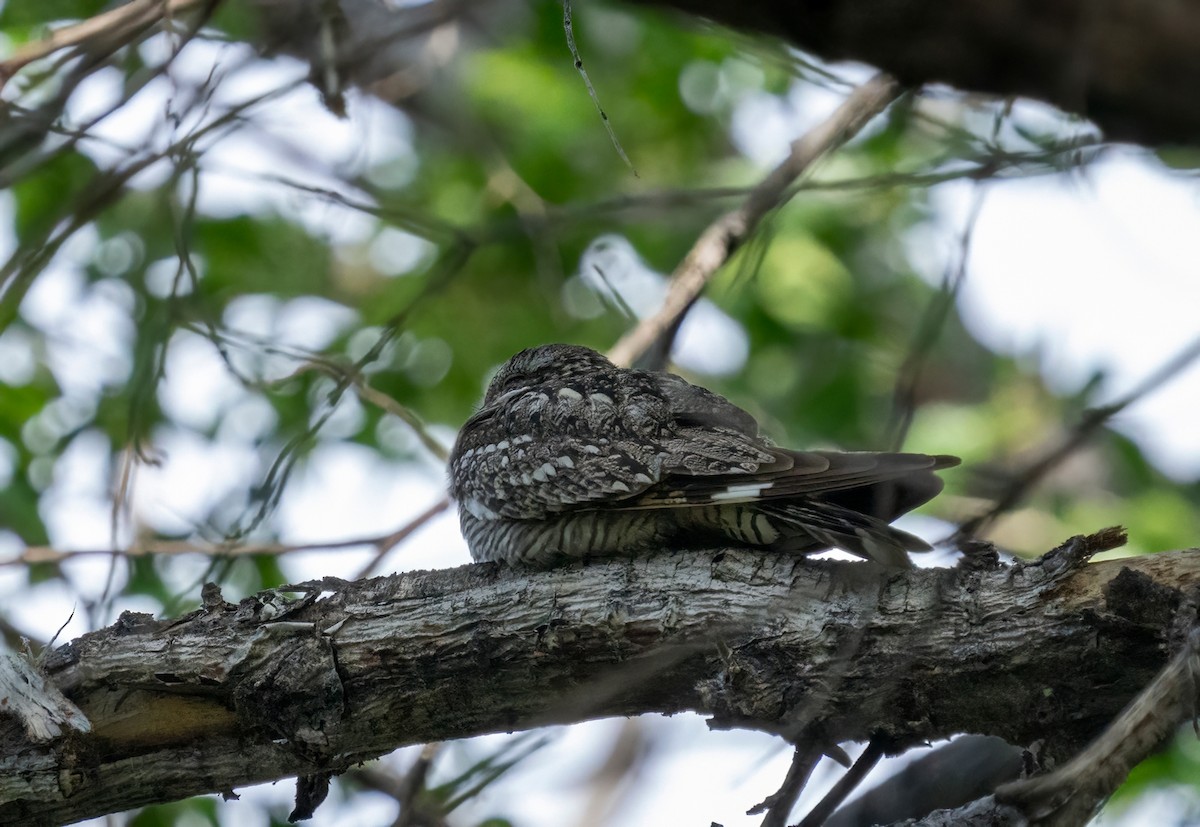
<point x="424" y="267"/>
<point x="196" y="811"/>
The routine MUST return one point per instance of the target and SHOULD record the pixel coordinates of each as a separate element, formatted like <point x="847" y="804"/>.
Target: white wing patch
<point x="742" y="491"/>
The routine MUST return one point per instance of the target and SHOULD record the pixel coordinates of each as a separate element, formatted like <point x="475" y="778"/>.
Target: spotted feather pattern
<point x="570" y="456"/>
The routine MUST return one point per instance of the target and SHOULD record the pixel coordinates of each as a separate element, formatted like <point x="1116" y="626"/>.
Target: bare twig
<point x="383" y="543"/>
<point x="616" y="777"/>
<point x="18" y="273"/>
<point x="778" y="805"/>
<point x="271" y="489"/>
<point x="995" y="164"/>
<point x="388" y="542"/>
<point x="725" y="235"/>
<point x="410" y="787"/>
<point x="378" y="398"/>
<point x="35" y="124"/>
<point x="1091" y="422"/>
<point x="904" y="398"/>
<point x="569" y="29"/>
<point x="421" y="224"/>
<point x="115" y="26"/>
<point x="845" y="785"/>
<point x="949" y="775"/>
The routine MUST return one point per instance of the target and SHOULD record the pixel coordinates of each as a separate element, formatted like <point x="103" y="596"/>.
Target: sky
<point x="1122" y="237"/>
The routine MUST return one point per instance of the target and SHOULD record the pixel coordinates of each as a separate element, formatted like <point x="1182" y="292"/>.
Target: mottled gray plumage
<point x="571" y="457"/>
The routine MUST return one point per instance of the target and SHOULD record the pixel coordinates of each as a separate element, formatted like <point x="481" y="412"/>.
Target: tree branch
<point x="235" y="695"/>
<point x="1073" y="794"/>
<point x="109" y="30"/>
<point x="725" y="235"/>
<point x="1130" y="67"/>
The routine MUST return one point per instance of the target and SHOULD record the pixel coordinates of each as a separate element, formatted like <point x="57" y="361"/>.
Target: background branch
<point x="1129" y="67"/>
<point x="725" y="235"/>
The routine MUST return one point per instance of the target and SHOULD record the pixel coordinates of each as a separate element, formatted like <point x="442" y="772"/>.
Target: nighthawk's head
<point x="542" y="365"/>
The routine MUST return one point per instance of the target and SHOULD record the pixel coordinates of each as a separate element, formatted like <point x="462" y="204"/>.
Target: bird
<point x="570" y="457"/>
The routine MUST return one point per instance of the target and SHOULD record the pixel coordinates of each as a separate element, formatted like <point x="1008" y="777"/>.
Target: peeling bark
<point x="28" y="698"/>
<point x="235" y="695"/>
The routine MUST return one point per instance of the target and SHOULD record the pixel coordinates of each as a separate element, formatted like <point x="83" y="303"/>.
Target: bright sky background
<point x="1121" y="240"/>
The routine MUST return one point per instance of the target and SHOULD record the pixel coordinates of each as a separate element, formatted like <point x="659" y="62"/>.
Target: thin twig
<point x="413" y="809"/>
<point x="70" y="617"/>
<point x="378" y="398"/>
<point x="116" y="25"/>
<point x="1091" y="422"/>
<point x="725" y="235"/>
<point x="778" y="806"/>
<point x="904" y="398"/>
<point x="569" y="28"/>
<point x="46" y="116"/>
<point x="45" y="554"/>
<point x="271" y="489"/>
<point x="364" y="199"/>
<point x="616" y="777"/>
<point x="389" y="542"/>
<point x="18" y="273"/>
<point x="845" y="785"/>
<point x="998" y="165"/>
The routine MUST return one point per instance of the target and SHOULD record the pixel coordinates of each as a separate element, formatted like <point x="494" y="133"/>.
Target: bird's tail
<point x="816" y="525"/>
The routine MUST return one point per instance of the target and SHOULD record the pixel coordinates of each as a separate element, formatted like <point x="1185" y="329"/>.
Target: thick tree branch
<point x="818" y="652"/>
<point x="1073" y="794"/>
<point x="1129" y="66"/>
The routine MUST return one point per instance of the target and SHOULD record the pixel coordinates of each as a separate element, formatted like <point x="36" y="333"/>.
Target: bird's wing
<point x="809" y="474"/>
<point x="600" y="462"/>
<point x="707" y="426"/>
<point x="519" y="479"/>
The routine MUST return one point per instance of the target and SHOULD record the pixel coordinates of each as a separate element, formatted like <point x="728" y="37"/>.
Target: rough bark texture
<point x="230" y="695"/>
<point x="1130" y="66"/>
